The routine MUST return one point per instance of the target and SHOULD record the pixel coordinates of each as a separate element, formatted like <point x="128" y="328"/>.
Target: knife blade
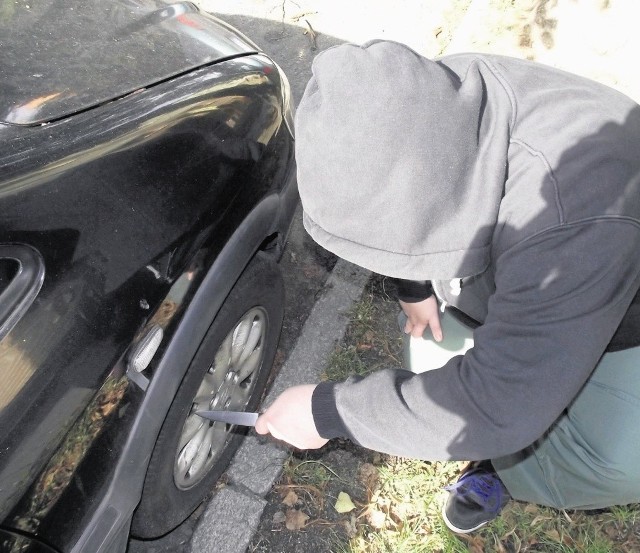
<point x="242" y="418"/>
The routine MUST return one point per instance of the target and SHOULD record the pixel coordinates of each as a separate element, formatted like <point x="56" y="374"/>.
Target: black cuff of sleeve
<point x="413" y="291"/>
<point x="325" y="413"/>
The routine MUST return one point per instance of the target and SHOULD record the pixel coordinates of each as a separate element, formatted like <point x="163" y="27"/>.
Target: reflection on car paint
<point x="59" y="471"/>
<point x="18" y="368"/>
<point x="29" y="110"/>
<point x="215" y="98"/>
<point x="152" y="44"/>
<point x="57" y="474"/>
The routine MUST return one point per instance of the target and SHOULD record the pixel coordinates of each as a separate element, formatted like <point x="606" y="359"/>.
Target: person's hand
<point x="421" y="315"/>
<point x="290" y="419"/>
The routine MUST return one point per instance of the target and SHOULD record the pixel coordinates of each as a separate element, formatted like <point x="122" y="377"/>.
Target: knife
<point x="242" y="418"/>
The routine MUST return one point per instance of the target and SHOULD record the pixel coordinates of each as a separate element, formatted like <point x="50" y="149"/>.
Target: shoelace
<point x="483" y="487"/>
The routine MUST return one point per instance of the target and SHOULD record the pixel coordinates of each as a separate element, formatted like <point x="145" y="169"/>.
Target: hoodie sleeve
<point x="413" y="291"/>
<point x="559" y="298"/>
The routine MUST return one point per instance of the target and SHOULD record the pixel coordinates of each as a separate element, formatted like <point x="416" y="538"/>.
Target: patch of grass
<point x="625" y="514"/>
<point x="343" y="363"/>
<point x="363" y="314"/>
<point x="403" y="514"/>
<point x="308" y="472"/>
<point x="367" y="345"/>
<point x="314" y="472"/>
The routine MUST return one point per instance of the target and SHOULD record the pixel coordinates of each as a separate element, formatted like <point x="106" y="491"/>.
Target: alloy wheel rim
<point x="227" y="385"/>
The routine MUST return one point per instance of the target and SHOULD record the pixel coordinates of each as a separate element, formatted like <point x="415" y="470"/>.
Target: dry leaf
<point x="279" y="517"/>
<point x="290" y="499"/>
<point x="344" y="503"/>
<point x="295" y="519"/>
<point x="367" y="341"/>
<point x="612" y="532"/>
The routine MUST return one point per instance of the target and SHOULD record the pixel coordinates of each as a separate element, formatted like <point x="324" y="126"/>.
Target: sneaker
<point x="475" y="499"/>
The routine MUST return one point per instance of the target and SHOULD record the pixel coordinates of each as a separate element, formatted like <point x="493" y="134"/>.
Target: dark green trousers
<point x="590" y="458"/>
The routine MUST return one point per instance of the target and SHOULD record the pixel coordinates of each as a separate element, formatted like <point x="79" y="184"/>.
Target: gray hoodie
<point x="514" y="188"/>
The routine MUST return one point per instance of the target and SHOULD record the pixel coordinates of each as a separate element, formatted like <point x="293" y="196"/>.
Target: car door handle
<point x="23" y="283"/>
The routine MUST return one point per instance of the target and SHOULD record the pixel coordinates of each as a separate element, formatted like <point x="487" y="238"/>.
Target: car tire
<point x="191" y="453"/>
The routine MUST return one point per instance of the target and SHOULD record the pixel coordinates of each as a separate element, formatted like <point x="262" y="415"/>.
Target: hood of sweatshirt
<point x="402" y="160"/>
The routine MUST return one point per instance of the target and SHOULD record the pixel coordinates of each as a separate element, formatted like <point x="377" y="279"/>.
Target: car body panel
<point x="145" y="211"/>
<point x="59" y="58"/>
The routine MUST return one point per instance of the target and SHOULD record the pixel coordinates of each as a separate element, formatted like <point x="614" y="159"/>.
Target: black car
<point x="147" y="185"/>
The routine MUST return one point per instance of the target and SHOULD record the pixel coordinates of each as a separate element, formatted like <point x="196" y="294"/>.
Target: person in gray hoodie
<point x="513" y="190"/>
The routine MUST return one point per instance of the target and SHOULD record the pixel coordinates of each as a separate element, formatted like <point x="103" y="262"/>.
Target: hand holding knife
<point x="289" y="418"/>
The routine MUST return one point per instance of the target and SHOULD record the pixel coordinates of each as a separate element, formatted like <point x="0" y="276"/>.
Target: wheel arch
<point x="112" y="518"/>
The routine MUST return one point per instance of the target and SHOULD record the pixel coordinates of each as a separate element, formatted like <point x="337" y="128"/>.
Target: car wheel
<point x="229" y="371"/>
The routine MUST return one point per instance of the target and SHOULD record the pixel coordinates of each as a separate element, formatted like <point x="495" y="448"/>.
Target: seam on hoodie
<point x="550" y="173"/>
<point x="596" y="219"/>
<point x="514" y="112"/>
<point x="335" y="236"/>
<point x="507" y="88"/>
